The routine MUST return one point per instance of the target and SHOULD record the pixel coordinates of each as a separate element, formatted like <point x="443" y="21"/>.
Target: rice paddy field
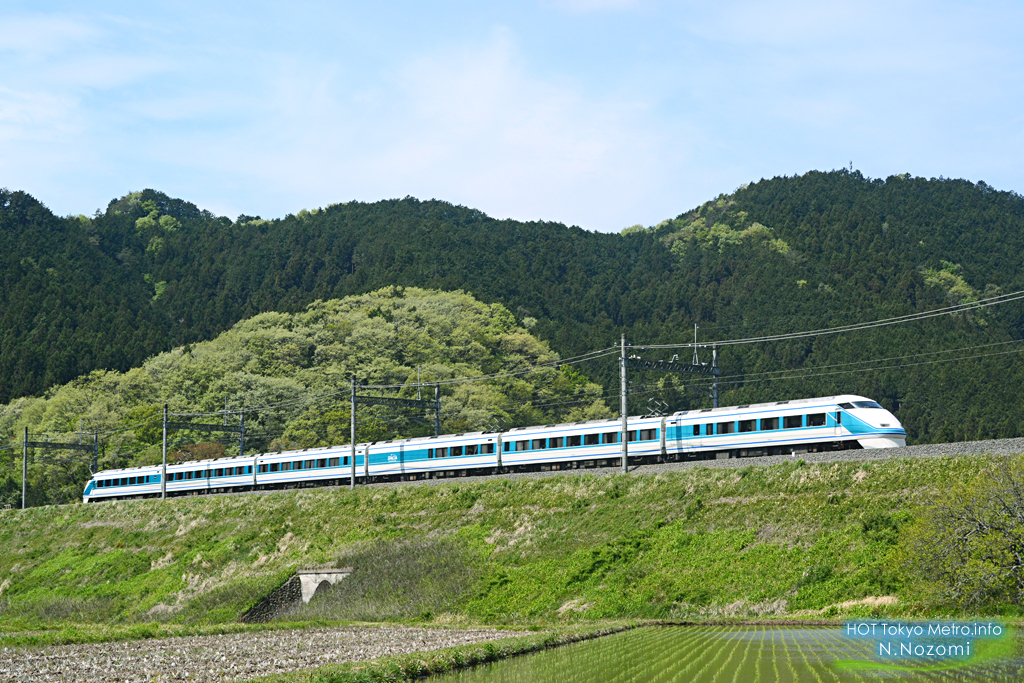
<point x="729" y="653"/>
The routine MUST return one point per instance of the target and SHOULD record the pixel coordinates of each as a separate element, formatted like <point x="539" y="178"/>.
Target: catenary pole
<point x="352" y="437"/>
<point x="714" y="381"/>
<point x="24" y="470"/>
<point x="163" y="469"/>
<point x="437" y="410"/>
<point x="622" y="407"/>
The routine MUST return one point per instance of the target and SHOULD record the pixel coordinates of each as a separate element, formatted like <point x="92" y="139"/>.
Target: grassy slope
<point x="704" y="542"/>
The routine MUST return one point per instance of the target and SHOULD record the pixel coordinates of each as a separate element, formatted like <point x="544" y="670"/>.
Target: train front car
<point x="132" y="482"/>
<point x="873" y="425"/>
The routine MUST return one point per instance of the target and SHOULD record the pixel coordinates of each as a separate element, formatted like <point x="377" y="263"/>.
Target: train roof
<point x="842" y="398"/>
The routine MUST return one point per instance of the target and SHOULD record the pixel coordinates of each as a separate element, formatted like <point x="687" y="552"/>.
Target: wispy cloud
<point x="601" y="113"/>
<point x="33" y="36"/>
<point x="468" y="124"/>
<point x="594" y="5"/>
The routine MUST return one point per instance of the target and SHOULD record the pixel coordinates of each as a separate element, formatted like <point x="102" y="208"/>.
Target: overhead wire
<point x="853" y="327"/>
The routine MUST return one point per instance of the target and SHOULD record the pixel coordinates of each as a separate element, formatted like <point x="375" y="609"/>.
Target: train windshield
<point x="867" y="404"/>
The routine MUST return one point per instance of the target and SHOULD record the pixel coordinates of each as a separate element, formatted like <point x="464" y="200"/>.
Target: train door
<point x="674" y="436"/>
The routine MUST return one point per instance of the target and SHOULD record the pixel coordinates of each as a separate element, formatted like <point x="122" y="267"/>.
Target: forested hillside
<point x="291" y="372"/>
<point x="780" y="255"/>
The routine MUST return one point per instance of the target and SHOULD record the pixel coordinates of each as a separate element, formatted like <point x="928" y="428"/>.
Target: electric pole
<point x="163" y="471"/>
<point x="622" y="407"/>
<point x="352" y="479"/>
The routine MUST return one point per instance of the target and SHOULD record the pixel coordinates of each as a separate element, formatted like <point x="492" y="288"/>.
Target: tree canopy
<point x="151" y="273"/>
<point x="292" y="371"/>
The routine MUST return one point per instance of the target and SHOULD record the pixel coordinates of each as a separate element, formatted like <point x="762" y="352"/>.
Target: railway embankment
<point x="794" y="538"/>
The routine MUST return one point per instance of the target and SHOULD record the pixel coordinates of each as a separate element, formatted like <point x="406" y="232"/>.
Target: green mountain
<point x="292" y="373"/>
<point x="781" y="255"/>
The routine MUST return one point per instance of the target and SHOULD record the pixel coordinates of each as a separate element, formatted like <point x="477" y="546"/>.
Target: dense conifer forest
<point x="152" y="273"/>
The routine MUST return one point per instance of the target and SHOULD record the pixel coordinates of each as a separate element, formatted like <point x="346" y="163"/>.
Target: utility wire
<point x="854" y="327"/>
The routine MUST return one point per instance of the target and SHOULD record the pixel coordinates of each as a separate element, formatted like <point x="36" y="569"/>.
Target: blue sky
<point x="597" y="113"/>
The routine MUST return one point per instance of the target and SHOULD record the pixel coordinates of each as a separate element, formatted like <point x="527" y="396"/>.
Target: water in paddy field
<point x="678" y="654"/>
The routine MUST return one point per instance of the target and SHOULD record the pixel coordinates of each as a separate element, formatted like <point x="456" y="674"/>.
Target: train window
<point x="648" y="434"/>
<point x="430" y="452"/>
<point x="726" y="427"/>
<point x="471" y="449"/>
<point x="274" y="467"/>
<point x="631" y="435"/>
<point x="522" y="445"/>
<point x="345" y="460"/>
<point x="696" y="430"/>
<point x="308" y="465"/>
<point x="709" y="429"/>
<point x="99" y="483"/>
<point x="573" y="441"/>
<point x="839" y="417"/>
<point x="456" y="451"/>
<point x="769" y="423"/>
<point x="611" y="437"/>
<point x="867" y="404"/>
<point x="816" y="420"/>
<point x="178" y="476"/>
<point x="263" y="469"/>
<point x="846" y="406"/>
<point x="188" y="475"/>
<point x="442" y="452"/>
<point x="592" y="439"/>
<point x="556" y="442"/>
<point x="792" y="421"/>
<point x="333" y="462"/>
<point x="486" y="448"/>
<point x="131" y="481"/>
<point x="507" y="444"/>
<point x="106" y="483"/>
<point x="747" y="425"/>
<point x="322" y="462"/>
<point x="297" y="465"/>
<point x="539" y="444"/>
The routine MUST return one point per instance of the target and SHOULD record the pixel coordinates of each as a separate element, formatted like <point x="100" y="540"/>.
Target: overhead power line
<point x="854" y="327"/>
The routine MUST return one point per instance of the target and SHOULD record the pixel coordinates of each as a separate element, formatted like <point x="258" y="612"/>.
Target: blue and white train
<point x="786" y="427"/>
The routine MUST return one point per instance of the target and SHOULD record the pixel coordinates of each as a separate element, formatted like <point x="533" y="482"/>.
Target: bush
<point x="967" y="548"/>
